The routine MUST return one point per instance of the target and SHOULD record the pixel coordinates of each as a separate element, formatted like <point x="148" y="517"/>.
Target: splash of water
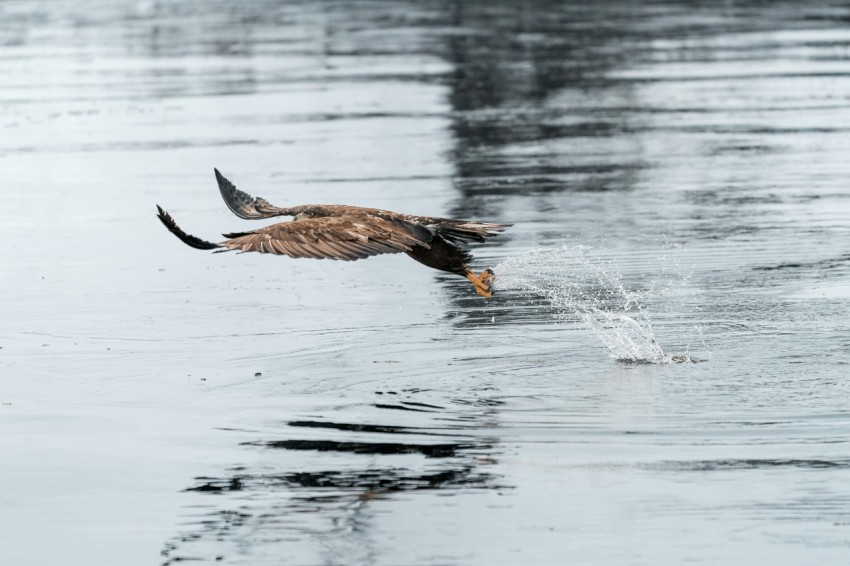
<point x="581" y="285"/>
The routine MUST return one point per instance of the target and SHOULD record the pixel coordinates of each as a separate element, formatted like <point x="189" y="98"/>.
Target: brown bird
<point x="349" y="233"/>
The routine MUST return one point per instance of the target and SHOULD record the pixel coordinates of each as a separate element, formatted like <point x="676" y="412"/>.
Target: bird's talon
<point x="483" y="283"/>
<point x="488" y="277"/>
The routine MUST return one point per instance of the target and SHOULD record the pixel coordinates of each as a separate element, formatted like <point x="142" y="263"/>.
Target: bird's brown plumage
<point x="345" y="232"/>
<point x="346" y="235"/>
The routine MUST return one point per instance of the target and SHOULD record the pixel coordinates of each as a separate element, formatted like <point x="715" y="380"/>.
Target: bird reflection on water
<point x="448" y="456"/>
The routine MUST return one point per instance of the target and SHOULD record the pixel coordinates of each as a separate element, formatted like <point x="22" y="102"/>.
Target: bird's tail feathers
<point x="464" y="232"/>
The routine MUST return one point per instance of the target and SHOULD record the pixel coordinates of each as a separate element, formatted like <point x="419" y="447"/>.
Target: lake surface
<point x="676" y="174"/>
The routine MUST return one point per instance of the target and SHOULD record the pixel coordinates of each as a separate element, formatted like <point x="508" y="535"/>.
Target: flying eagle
<point x="349" y="233"/>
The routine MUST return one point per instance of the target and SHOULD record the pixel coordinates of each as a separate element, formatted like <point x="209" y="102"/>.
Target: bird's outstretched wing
<point x="345" y="238"/>
<point x="244" y="205"/>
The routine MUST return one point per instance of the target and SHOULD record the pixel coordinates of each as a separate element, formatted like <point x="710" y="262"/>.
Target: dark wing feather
<point x="244" y="205"/>
<point x="345" y="238"/>
<point x="187" y="239"/>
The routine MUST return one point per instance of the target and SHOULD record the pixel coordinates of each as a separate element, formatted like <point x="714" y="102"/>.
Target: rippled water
<point x="676" y="174"/>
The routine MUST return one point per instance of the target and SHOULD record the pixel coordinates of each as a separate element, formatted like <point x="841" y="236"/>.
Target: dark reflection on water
<point x="823" y="264"/>
<point x="428" y="450"/>
<point x="515" y="56"/>
<point x="747" y="464"/>
<point x="341" y="498"/>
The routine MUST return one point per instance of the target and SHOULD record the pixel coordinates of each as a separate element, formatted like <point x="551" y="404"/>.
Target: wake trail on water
<point x="577" y="282"/>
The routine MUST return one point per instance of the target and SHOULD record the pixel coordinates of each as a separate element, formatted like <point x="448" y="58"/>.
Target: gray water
<point x="677" y="177"/>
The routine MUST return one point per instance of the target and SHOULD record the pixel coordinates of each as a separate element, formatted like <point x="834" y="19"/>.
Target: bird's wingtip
<point x="223" y="182"/>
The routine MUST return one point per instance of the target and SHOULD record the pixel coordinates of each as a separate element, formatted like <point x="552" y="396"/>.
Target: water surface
<point x="679" y="165"/>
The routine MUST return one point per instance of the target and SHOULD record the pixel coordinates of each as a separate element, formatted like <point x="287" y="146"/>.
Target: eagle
<point x="348" y="233"/>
